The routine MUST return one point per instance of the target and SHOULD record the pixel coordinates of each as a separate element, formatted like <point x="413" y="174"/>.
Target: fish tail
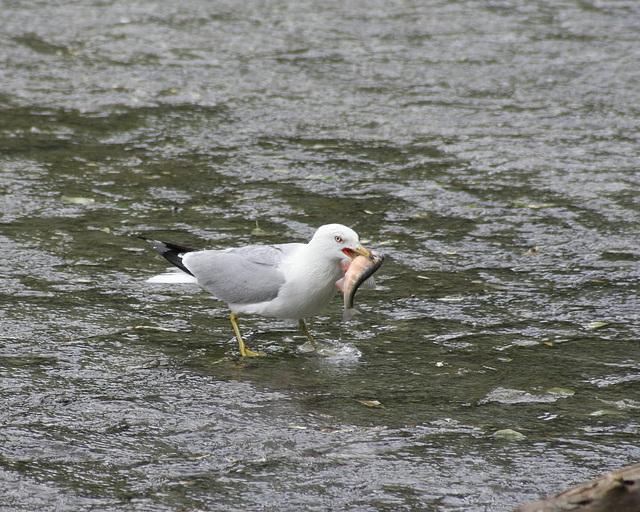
<point x="349" y="314"/>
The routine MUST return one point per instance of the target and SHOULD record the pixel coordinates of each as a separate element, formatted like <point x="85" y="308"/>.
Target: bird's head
<point x="338" y="241"/>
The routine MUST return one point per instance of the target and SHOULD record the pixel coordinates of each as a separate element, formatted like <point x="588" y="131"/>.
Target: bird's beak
<point x="352" y="253"/>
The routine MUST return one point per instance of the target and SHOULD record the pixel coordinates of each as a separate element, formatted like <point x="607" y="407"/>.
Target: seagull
<point x="290" y="281"/>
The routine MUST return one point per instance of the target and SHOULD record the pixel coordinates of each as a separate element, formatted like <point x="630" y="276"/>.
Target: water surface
<point x="488" y="149"/>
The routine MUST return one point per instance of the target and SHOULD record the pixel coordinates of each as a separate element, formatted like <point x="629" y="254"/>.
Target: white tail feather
<point x="173" y="276"/>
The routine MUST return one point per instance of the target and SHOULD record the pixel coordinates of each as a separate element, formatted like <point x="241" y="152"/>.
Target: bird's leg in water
<point x="243" y="349"/>
<point x="303" y="328"/>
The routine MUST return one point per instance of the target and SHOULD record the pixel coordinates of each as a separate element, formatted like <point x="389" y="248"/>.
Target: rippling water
<point x="488" y="149"/>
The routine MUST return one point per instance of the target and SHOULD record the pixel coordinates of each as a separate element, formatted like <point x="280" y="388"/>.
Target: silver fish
<point x="359" y="273"/>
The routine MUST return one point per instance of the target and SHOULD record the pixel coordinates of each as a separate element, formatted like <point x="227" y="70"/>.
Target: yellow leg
<point x="303" y="328"/>
<point x="243" y="349"/>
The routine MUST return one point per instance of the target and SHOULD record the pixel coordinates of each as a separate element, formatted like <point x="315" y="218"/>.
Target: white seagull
<point x="285" y="281"/>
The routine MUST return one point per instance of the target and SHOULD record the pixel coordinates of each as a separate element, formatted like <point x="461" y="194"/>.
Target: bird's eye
<point x="338" y="239"/>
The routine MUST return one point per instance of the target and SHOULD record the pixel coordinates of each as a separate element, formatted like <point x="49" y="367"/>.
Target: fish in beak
<point x="359" y="251"/>
<point x="359" y="273"/>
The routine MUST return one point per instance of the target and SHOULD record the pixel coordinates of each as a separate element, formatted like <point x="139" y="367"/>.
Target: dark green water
<point x="488" y="149"/>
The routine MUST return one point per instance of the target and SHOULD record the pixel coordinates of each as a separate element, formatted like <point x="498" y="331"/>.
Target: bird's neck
<point x="321" y="267"/>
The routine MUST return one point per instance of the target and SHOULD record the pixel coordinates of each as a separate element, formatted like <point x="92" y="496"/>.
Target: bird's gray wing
<point x="245" y="275"/>
<point x="265" y="254"/>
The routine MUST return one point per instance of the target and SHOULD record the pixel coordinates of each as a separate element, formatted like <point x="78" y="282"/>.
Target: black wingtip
<point x="171" y="252"/>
